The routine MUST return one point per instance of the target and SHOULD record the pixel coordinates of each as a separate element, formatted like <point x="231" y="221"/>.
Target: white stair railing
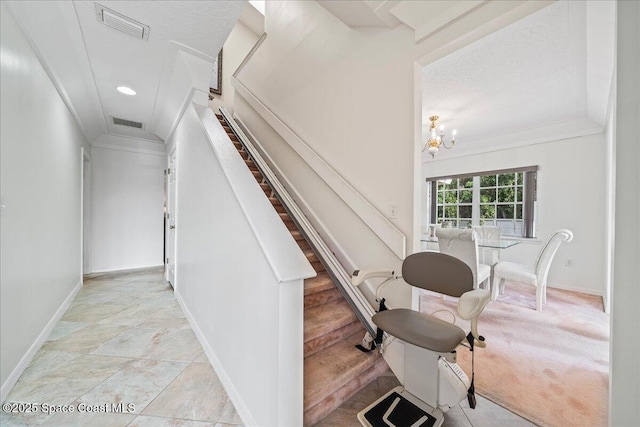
<point x="361" y="306"/>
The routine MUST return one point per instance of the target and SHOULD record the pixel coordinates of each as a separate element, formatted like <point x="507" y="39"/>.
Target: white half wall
<point x="239" y="275"/>
<point x="235" y="49"/>
<point x="571" y="194"/>
<point x="40" y="185"/>
<point x="127" y="204"/>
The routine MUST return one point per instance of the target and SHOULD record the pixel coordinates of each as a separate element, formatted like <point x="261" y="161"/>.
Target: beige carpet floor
<point x="550" y="367"/>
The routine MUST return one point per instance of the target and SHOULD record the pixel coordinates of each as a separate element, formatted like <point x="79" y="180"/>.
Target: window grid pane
<point x="501" y="202"/>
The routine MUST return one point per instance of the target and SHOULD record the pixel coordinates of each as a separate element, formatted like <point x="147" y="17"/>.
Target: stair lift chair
<point x="433" y="381"/>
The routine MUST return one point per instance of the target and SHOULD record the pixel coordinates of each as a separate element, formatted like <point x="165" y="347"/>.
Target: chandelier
<point x="436" y="139"/>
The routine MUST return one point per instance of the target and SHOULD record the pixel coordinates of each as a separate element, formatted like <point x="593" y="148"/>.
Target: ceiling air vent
<point x="121" y="23"/>
<point x="128" y="123"/>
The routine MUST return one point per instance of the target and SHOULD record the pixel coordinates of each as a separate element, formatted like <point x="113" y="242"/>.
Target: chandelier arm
<point x="444" y="144"/>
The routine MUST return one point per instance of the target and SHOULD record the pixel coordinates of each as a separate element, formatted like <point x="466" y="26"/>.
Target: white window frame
<point x="524" y="227"/>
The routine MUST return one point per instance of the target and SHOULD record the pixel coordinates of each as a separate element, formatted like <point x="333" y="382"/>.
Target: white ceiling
<point x="87" y="60"/>
<point x="119" y="59"/>
<point x="530" y="75"/>
<point x="551" y="68"/>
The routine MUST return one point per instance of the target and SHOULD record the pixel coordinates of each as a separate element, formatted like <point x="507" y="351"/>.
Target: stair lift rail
<point x="342" y="278"/>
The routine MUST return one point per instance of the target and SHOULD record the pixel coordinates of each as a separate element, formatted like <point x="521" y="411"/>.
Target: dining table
<point x="490" y="254"/>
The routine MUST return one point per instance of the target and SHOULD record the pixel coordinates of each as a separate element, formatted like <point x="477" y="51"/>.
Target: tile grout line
<point x="118" y="285"/>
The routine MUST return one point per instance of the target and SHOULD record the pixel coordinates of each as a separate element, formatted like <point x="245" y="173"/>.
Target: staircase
<point x="334" y="370"/>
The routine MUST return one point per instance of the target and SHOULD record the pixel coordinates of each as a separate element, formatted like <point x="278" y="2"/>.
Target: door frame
<point x="85" y="212"/>
<point x="171" y="209"/>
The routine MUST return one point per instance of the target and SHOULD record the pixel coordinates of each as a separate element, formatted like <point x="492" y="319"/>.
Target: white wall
<point x="40" y="184"/>
<point x="625" y="316"/>
<point x="336" y="223"/>
<point x="239" y="275"/>
<point x="350" y="97"/>
<point x="571" y="194"/>
<point x="235" y="49"/>
<point x="127" y="204"/>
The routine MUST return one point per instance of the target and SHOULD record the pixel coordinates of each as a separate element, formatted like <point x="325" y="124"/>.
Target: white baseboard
<point x="120" y="269"/>
<point x="596" y="292"/>
<point x="42" y="338"/>
<point x="233" y="394"/>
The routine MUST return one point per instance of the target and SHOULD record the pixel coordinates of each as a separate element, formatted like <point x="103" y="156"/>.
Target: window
<point x="455" y="201"/>
<point x="505" y="198"/>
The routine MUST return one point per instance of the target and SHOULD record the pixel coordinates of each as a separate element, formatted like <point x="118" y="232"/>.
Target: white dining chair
<point x="463" y="244"/>
<point x="535" y="275"/>
<point x="486" y="232"/>
<point x="489" y="256"/>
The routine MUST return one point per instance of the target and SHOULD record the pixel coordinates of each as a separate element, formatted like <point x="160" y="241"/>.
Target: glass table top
<point x="495" y="244"/>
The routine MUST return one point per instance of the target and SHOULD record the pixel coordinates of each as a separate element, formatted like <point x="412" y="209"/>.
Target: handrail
<point x="374" y="219"/>
<point x="287" y="262"/>
<point x="249" y="55"/>
<point x="354" y="297"/>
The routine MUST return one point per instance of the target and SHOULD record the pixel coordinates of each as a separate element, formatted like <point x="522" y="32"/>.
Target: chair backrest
<point x="548" y="251"/>
<point x="437" y="272"/>
<point x="461" y="244"/>
<point x="486" y="232"/>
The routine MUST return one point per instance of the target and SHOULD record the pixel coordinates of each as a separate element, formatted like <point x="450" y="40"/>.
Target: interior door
<point x="86" y="213"/>
<point x="170" y="222"/>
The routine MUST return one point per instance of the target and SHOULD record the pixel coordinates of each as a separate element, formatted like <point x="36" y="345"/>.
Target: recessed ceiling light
<point x="126" y="90"/>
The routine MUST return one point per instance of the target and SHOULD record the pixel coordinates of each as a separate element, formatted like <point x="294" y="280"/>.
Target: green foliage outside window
<point x="501" y="198"/>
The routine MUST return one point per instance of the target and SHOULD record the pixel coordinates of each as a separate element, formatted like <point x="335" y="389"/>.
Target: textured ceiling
<point x="527" y="75"/>
<point x="118" y="59"/>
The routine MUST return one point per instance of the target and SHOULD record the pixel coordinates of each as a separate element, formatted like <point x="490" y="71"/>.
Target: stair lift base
<point x="400" y="408"/>
<point x="432" y="385"/>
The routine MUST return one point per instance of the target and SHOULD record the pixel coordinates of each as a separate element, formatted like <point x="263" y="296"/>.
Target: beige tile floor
<point x="124" y="339"/>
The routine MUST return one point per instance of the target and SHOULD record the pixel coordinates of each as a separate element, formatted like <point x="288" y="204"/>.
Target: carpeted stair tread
<point x="285" y="217"/>
<point x="332" y="402"/>
<point x="327" y="317"/>
<point x="265" y="186"/>
<point x="321" y="282"/>
<point x="329" y="370"/>
<point x="303" y="244"/>
<point x="318" y="267"/>
<point x="279" y="208"/>
<point x="324" y="341"/>
<point x="252" y="166"/>
<point x="291" y="226"/>
<point x="311" y="256"/>
<point x="297" y="235"/>
<point x="323" y="297"/>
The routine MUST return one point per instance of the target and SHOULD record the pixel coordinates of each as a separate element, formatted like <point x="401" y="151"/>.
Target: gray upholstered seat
<point x="420" y="329"/>
<point x="435" y="272"/>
